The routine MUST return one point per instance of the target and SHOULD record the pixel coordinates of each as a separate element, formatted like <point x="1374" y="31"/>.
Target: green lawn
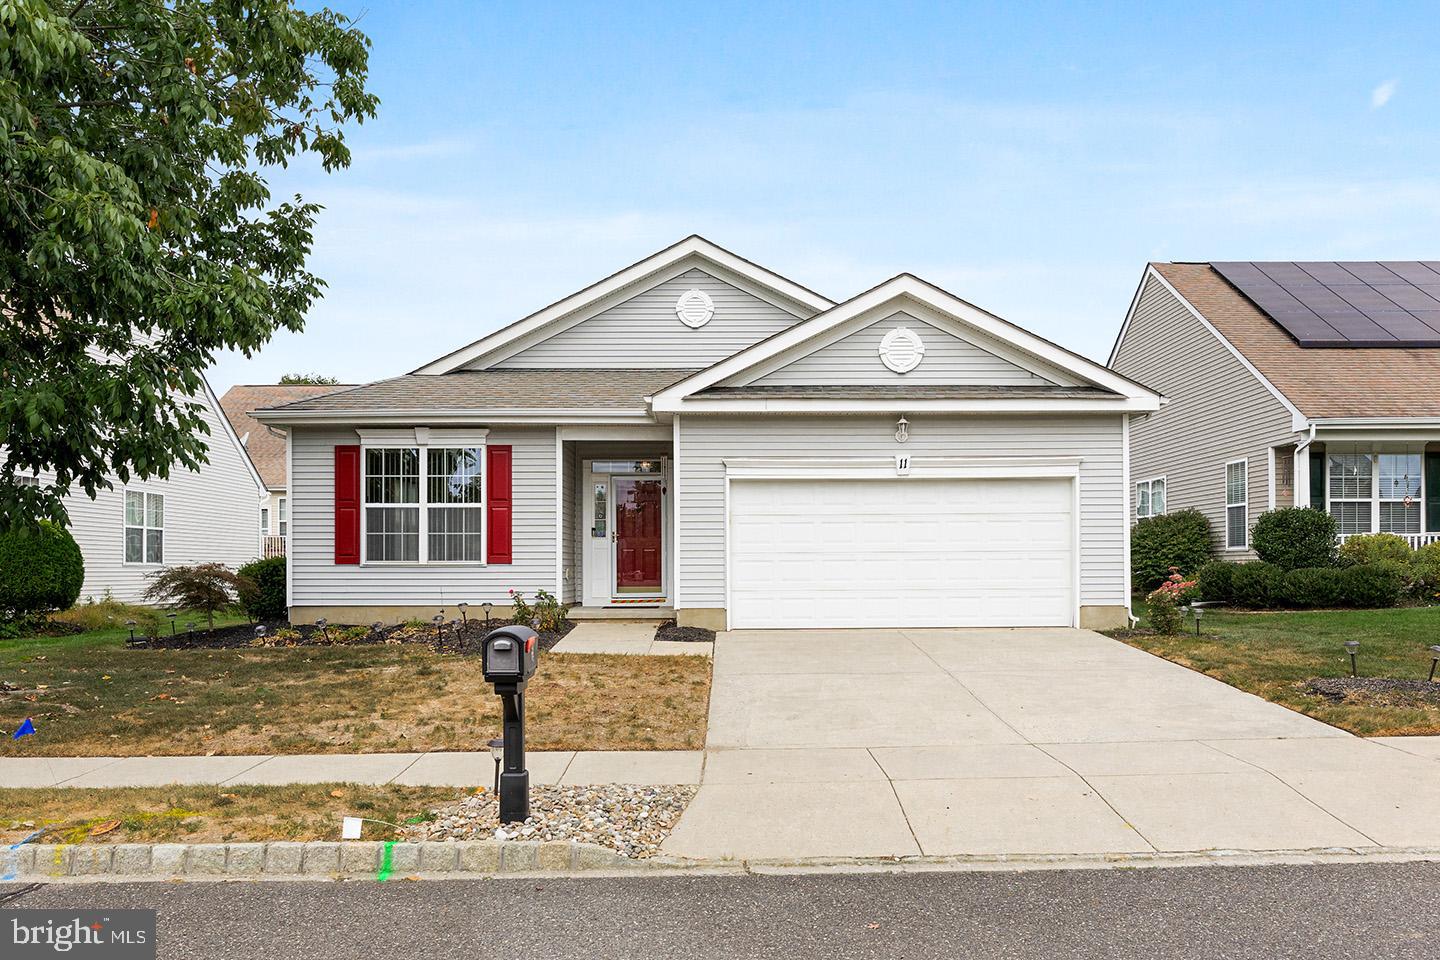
<point x="91" y="696"/>
<point x="1273" y="653"/>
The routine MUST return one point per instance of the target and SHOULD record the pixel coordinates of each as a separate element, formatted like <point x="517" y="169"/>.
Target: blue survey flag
<point x="26" y="728"/>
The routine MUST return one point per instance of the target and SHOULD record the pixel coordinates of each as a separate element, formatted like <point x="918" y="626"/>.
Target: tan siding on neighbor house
<point x="645" y="332"/>
<point x="706" y="441"/>
<point x="1218" y="411"/>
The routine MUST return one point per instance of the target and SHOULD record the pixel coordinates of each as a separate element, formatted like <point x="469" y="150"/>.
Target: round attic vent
<point x="902" y="350"/>
<point x="694" y="308"/>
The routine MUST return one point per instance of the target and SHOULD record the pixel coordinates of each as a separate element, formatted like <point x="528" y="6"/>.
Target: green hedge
<point x="1256" y="584"/>
<point x="1180" y="539"/>
<point x="1263" y="586"/>
<point x="1216" y="581"/>
<point x="41" y="569"/>
<point x="1295" y="537"/>
<point x="1368" y="548"/>
<point x="268" y="600"/>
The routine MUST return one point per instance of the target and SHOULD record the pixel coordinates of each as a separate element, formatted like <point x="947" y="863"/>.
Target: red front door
<point x="638" y="523"/>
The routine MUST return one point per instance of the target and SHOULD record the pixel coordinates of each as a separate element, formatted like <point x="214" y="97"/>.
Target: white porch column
<point x="1302" y="476"/>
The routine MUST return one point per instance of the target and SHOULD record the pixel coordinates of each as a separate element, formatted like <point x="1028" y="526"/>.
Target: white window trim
<point x="1419" y="500"/>
<point x="282" y="516"/>
<point x="265" y="521"/>
<point x="1244" y="503"/>
<point x="1150" y="496"/>
<point x="1373" y="499"/>
<point x="422" y="439"/>
<point x="144" y="526"/>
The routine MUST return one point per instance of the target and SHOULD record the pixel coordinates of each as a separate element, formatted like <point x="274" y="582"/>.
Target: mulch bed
<point x="449" y="638"/>
<point x="1376" y="691"/>
<point x="674" y="633"/>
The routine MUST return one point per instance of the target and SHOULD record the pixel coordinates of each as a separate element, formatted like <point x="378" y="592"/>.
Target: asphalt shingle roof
<point x="1321" y="382"/>
<point x="902" y="391"/>
<point x="266" y="450"/>
<point x="480" y="390"/>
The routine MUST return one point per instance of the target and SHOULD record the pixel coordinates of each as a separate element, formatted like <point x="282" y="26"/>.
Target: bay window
<point x="423" y="504"/>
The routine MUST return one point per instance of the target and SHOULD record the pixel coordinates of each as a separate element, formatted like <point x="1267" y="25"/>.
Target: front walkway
<point x="635" y="637"/>
<point x="838" y="744"/>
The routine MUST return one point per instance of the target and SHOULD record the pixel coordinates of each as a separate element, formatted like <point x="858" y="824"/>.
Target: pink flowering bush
<point x="1165" y="602"/>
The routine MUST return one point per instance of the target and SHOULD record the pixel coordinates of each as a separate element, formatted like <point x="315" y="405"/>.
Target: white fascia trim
<point x="879" y="468"/>
<point x="219" y="412"/>
<point x="639" y="431"/>
<point x="690" y="247"/>
<point x="1298" y="420"/>
<point x="1376" y="423"/>
<point x="454" y="417"/>
<point x="699" y="405"/>
<point x="930" y="296"/>
<point x="1125" y="324"/>
<point x="423" y="437"/>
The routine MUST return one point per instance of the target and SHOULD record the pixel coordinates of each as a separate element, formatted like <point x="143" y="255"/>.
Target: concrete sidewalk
<point x="634" y="637"/>
<point x="412" y="769"/>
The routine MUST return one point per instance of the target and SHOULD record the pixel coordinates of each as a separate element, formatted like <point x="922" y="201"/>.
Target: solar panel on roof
<point x="1330" y="303"/>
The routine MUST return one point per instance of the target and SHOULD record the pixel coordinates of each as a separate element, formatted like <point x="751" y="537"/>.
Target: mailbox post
<point x="508" y="661"/>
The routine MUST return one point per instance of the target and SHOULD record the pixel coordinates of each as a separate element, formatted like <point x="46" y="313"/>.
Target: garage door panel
<point x="901" y="552"/>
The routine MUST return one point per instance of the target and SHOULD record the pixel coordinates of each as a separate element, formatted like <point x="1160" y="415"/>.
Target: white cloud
<point x="1381" y="95"/>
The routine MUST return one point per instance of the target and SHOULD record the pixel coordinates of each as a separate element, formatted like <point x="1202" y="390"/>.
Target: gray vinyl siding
<point x="706" y="441"/>
<point x="316" y="580"/>
<point x="1218" y="412"/>
<point x="644" y="331"/>
<point x="855" y="359"/>
<point x="211" y="516"/>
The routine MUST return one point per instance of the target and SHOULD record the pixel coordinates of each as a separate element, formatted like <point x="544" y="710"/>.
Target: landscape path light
<point x="497" y="753"/>
<point x="259" y="631"/>
<point x="131" y="625"/>
<point x="464" y="620"/>
<point x="1350" y="647"/>
<point x="1434" y="659"/>
<point x="172" y="615"/>
<point x="322" y="623"/>
<point x="1198" y="611"/>
<point x="486" y="607"/>
<point x="190" y="627"/>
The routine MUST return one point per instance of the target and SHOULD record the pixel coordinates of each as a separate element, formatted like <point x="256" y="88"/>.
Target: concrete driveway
<point x="895" y="743"/>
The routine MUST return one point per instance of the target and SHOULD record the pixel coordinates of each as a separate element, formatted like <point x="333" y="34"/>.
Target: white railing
<point x="274" y="547"/>
<point x="1416" y="540"/>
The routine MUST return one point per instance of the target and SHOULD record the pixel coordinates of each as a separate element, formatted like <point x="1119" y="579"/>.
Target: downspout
<point x="1308" y="440"/>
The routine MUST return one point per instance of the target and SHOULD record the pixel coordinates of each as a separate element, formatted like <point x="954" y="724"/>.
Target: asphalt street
<point x="1316" y="912"/>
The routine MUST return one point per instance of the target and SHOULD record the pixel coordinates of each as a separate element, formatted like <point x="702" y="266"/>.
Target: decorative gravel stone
<point x="628" y="818"/>
<point x="1376" y="691"/>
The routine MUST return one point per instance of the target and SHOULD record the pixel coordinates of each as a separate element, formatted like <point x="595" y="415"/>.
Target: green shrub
<point x="1371" y="585"/>
<point x="207" y="587"/>
<point x="1375" y="547"/>
<point x="1216" y="581"/>
<point x="1180" y="540"/>
<point x="268" y="600"/>
<point x="1309" y="588"/>
<point x="1295" y="537"/>
<point x="1425" y="573"/>
<point x="41" y="569"/>
<point x="1256" y="584"/>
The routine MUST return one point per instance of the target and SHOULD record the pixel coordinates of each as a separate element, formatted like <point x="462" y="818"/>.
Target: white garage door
<point x="898" y="552"/>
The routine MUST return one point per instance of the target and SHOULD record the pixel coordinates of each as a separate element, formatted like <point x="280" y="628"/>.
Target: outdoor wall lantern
<point x="1434" y="659"/>
<point x="902" y="430"/>
<point x="1350" y="647"/>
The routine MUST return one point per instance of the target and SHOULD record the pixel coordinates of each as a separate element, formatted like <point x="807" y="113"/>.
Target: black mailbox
<point x="510" y="655"/>
<point x="508" y="661"/>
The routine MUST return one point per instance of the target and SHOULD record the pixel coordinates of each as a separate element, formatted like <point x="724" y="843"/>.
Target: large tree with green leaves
<point x="139" y="234"/>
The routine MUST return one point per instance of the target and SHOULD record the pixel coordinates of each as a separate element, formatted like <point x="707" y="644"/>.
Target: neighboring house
<point x="697" y="433"/>
<point x="134" y="529"/>
<point x="266" y="446"/>
<point x="1288" y="384"/>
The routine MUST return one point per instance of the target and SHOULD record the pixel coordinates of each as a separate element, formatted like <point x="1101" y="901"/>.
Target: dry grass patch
<point x="1274" y="654"/>
<point x="210" y="814"/>
<point x="93" y="697"/>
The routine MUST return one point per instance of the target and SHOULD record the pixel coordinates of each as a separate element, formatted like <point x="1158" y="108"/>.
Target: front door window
<point x="639" y="519"/>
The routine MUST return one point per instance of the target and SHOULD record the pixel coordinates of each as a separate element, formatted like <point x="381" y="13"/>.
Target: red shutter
<point x="347" y="503"/>
<point x="498" y="513"/>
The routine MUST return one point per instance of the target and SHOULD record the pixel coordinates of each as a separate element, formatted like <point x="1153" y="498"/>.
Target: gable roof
<point x="1321" y="383"/>
<point x="1112" y="390"/>
<point x="694" y="250"/>
<point x="487" y="395"/>
<point x="266" y="450"/>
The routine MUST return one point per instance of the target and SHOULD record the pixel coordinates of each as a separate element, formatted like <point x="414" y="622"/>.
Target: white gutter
<point x="1308" y="440"/>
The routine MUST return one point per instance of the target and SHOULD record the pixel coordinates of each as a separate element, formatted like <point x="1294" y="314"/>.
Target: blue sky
<point x="1030" y="159"/>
